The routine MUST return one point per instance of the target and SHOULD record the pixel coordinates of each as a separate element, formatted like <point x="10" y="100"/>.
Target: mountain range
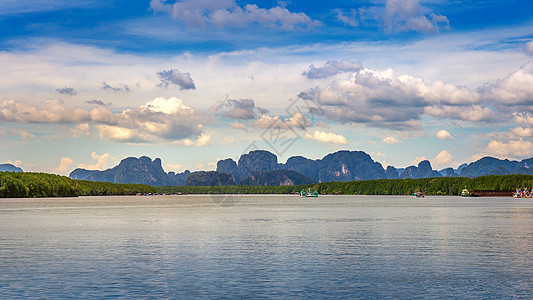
<point x="261" y="167"/>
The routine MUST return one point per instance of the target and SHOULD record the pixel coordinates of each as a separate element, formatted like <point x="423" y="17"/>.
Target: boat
<point x="308" y="193"/>
<point x="418" y="194"/>
<point x="522" y="193"/>
<point x="465" y="193"/>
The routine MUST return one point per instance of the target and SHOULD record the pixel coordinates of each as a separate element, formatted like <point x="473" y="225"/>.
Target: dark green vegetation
<point x="210" y="178"/>
<point x="22" y="185"/>
<point x="276" y="177"/>
<point x="430" y="186"/>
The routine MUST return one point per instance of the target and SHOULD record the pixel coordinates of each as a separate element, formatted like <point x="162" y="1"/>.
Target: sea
<point x="266" y="246"/>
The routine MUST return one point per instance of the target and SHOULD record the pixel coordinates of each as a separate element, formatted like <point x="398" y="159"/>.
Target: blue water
<point x="266" y="247"/>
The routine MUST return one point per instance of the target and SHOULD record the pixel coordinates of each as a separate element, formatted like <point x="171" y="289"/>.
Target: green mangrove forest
<point x="430" y="186"/>
<point x="28" y="184"/>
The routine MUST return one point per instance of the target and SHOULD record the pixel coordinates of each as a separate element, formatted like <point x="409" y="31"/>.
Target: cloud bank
<point x="158" y="120"/>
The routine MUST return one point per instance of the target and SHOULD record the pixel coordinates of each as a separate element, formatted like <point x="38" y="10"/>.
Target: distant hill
<point x="9" y="168"/>
<point x="493" y="166"/>
<point x="140" y="170"/>
<point x="261" y="167"/>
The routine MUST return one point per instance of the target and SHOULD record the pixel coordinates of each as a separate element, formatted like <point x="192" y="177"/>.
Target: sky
<point x="84" y="84"/>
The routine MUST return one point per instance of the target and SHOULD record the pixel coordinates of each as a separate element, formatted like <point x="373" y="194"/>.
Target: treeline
<point x="27" y="184"/>
<point x="430" y="186"/>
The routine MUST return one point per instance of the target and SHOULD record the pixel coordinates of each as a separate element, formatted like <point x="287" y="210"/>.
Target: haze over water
<point x="266" y="246"/>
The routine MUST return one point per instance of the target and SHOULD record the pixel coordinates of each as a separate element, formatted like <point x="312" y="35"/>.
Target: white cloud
<point x="523" y="132"/>
<point x="417" y="160"/>
<point x="103" y="162"/>
<point x="473" y="113"/>
<point x="327" y="137"/>
<point x="442" y="160"/>
<point x="514" y="148"/>
<point x="49" y="111"/>
<point x="513" y="90"/>
<point x="227" y="13"/>
<point x="15" y="162"/>
<point x="173" y="167"/>
<point x="390" y="140"/>
<point x="444" y="135"/>
<point x="81" y="130"/>
<point x="202" y="140"/>
<point x="64" y="166"/>
<point x="525" y="118"/>
<point x="159" y="119"/>
<point x="384" y="99"/>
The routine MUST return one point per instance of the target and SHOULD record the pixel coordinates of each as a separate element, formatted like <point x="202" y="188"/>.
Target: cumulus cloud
<point x="64" y="166"/>
<point x="443" y="159"/>
<point x="513" y="90"/>
<point x="80" y="130"/>
<point x="103" y="162"/>
<point x="67" y="91"/>
<point x="528" y="48"/>
<point x="122" y="88"/>
<point x="160" y="119"/>
<point x="384" y="99"/>
<point x="332" y="68"/>
<point x="514" y="148"/>
<point x="177" y="78"/>
<point x="444" y="135"/>
<point x="227" y="13"/>
<point x="523" y="132"/>
<point x="525" y="118"/>
<point x="390" y="140"/>
<point x="167" y="119"/>
<point x="49" y="111"/>
<point x="202" y="140"/>
<point x="326" y="137"/>
<point x="473" y="113"/>
<point x="243" y="109"/>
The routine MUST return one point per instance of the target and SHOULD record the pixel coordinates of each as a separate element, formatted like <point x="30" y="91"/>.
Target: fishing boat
<point x="308" y="193"/>
<point x="418" y="194"/>
<point x="523" y="193"/>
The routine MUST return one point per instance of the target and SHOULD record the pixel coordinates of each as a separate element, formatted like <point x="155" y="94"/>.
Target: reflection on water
<point x="266" y="246"/>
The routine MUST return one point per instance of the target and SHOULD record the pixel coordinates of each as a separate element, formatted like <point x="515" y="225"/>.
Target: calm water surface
<point x="266" y="247"/>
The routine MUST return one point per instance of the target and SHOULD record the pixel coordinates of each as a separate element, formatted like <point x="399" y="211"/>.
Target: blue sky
<point x="87" y="83"/>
